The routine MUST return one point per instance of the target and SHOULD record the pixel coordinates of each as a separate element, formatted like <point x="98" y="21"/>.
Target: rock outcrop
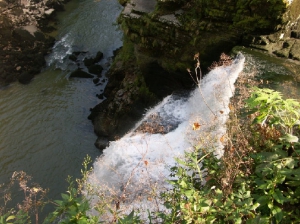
<point x="285" y="42"/>
<point x="162" y="36"/>
<point x="23" y="37"/>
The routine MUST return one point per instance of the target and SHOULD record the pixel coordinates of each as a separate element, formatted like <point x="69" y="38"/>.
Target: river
<point x="44" y="128"/>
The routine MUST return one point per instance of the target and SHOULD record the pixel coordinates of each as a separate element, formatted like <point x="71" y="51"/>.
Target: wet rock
<point x="102" y="142"/>
<point x="95" y="69"/>
<point x="73" y="57"/>
<point x="96" y="80"/>
<point x="99" y="57"/>
<point x="25" y="77"/>
<point x="88" y="62"/>
<point x="91" y="61"/>
<point x="80" y="74"/>
<point x="100" y="96"/>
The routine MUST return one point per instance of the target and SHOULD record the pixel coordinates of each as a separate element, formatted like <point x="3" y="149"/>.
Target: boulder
<point x="25" y="77"/>
<point x="96" y="80"/>
<point x="90" y="61"/>
<point x="102" y="142"/>
<point x="72" y="57"/>
<point x="95" y="69"/>
<point x="98" y="57"/>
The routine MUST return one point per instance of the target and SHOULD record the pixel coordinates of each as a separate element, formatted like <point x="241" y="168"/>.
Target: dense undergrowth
<point x="257" y="180"/>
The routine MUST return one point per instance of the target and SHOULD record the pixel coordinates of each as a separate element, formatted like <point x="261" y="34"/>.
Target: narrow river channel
<point x="44" y="129"/>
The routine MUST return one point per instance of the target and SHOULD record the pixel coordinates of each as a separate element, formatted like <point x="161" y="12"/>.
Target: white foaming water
<point x="137" y="165"/>
<point x="60" y="50"/>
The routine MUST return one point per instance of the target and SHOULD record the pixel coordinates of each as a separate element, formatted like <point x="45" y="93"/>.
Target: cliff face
<point x="285" y="42"/>
<point x="172" y="31"/>
<point x="164" y="35"/>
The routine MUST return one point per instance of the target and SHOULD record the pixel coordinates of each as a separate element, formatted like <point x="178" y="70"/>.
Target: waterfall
<point x="131" y="168"/>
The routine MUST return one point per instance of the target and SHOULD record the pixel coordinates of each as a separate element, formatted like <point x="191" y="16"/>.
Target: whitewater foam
<point x="138" y="164"/>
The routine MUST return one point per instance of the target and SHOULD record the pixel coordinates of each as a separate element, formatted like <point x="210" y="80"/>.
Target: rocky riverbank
<point x="161" y="38"/>
<point x="24" y="37"/>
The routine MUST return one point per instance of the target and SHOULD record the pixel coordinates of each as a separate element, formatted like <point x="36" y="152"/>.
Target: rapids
<point x="132" y="167"/>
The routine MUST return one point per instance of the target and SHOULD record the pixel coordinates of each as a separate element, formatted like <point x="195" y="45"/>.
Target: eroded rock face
<point x="285" y="41"/>
<point x="23" y="38"/>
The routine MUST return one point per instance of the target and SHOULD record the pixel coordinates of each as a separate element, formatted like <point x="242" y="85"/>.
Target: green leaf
<point x="127" y="219"/>
<point x="289" y="138"/>
<point x="263" y="200"/>
<point x="290" y="162"/>
<point x="254" y="206"/>
<point x="10" y="217"/>
<point x="277" y="212"/>
<point x="65" y="197"/>
<point x="278" y="196"/>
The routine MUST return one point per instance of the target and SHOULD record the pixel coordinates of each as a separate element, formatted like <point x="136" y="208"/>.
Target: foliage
<point x="27" y="210"/>
<point x="272" y="109"/>
<point x="73" y="206"/>
<point x="264" y="190"/>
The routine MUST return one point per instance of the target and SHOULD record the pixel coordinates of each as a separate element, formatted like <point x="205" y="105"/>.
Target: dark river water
<point x="44" y="129"/>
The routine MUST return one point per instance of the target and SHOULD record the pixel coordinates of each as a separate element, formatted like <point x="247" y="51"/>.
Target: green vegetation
<point x="256" y="180"/>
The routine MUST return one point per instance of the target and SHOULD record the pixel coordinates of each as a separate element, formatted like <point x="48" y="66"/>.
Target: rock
<point x="25" y="78"/>
<point x="120" y="92"/>
<point x="284" y="53"/>
<point x="88" y="62"/>
<point x="23" y="35"/>
<point x="295" y="50"/>
<point x="22" y="42"/>
<point x="96" y="80"/>
<point x="102" y="142"/>
<point x="95" y="69"/>
<point x="80" y="74"/>
<point x="49" y="12"/>
<point x="98" y="57"/>
<point x="39" y="36"/>
<point x="295" y="34"/>
<point x="100" y="96"/>
<point x="73" y="57"/>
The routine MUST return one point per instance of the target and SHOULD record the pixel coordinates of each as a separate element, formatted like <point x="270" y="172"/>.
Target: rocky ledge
<point x="286" y="41"/>
<point x="24" y="39"/>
